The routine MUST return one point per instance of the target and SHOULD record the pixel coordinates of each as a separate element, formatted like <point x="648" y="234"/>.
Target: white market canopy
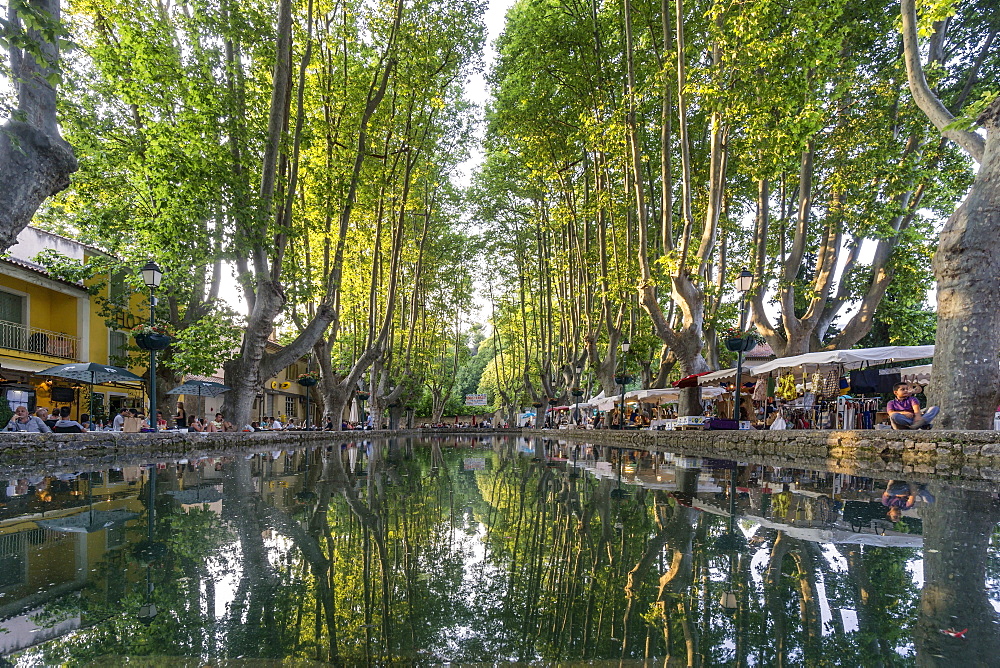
<point x="916" y="374"/>
<point x="724" y="375"/>
<point x="664" y="395"/>
<point x="846" y="358"/>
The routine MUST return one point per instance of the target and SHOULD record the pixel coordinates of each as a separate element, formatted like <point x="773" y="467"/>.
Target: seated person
<point x="904" y="411"/>
<point x="218" y="424"/>
<point x="21" y="421"/>
<point x="194" y="424"/>
<point x="66" y="426"/>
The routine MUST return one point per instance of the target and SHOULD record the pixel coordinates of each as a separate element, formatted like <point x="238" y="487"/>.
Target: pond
<point x="493" y="550"/>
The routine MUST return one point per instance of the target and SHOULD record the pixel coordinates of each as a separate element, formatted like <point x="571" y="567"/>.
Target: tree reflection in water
<point x="429" y="552"/>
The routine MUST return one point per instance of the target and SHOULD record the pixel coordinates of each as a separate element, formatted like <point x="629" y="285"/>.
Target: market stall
<point x="839" y="389"/>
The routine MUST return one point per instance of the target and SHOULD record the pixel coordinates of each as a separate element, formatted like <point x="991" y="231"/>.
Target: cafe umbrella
<point x="92" y="373"/>
<point x="200" y="388"/>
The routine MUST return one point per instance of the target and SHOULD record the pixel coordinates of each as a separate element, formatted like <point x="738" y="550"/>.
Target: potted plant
<point x="737" y="341"/>
<point x="362" y="395"/>
<point x="308" y="379"/>
<point x="576" y="392"/>
<point x="149" y="337"/>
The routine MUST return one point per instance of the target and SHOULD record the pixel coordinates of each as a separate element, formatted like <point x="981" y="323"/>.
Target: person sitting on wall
<point x="218" y="424"/>
<point x="66" y="426"/>
<point x="194" y="424"/>
<point x="21" y="421"/>
<point x="904" y="411"/>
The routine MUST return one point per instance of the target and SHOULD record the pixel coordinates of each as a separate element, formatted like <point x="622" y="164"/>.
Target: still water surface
<point x="472" y="551"/>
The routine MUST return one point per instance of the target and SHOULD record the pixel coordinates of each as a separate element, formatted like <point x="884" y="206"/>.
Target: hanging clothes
<point x="760" y="390"/>
<point x="786" y="387"/>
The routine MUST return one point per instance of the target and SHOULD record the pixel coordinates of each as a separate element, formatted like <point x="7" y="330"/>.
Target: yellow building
<point x="45" y="322"/>
<point x="282" y="396"/>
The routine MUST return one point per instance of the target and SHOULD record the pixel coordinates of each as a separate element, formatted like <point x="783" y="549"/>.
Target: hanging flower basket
<point x="152" y="340"/>
<point x="576" y="392"/>
<point x="553" y="402"/>
<point x="741" y="344"/>
<point x="623" y="379"/>
<point x="537" y="404"/>
<point x="308" y="379"/>
<point x="363" y="396"/>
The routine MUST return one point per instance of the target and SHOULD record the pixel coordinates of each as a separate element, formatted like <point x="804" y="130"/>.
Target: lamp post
<point x="151" y="276"/>
<point x="624" y="379"/>
<point x="743" y="283"/>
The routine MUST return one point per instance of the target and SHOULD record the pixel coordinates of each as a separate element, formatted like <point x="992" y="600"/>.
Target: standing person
<point x="119" y="422"/>
<point x="904" y="410"/>
<point x="66" y="426"/>
<point x="180" y="419"/>
<point x="21" y="421"/>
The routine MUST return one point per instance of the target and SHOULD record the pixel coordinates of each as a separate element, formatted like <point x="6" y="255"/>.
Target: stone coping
<point x="965" y="455"/>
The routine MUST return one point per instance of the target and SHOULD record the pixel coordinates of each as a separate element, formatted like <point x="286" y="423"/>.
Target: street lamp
<point x="743" y="284"/>
<point x="151" y="276"/>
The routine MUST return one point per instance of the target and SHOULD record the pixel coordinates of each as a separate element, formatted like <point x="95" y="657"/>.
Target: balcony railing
<point x="39" y="341"/>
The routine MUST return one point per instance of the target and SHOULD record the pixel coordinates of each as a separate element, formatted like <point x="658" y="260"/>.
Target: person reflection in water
<point x="900" y="495"/>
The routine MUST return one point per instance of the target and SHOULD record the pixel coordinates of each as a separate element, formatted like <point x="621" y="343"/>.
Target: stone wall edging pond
<point x="970" y="455"/>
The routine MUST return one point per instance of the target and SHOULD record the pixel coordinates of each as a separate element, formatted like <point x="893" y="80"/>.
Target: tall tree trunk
<point x="35" y="161"/>
<point x="958" y="528"/>
<point x="966" y="376"/>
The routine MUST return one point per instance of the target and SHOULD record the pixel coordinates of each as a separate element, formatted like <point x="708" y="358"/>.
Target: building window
<point x="117" y="347"/>
<point x="17" y="398"/>
<point x="13" y="314"/>
<point x="290" y="406"/>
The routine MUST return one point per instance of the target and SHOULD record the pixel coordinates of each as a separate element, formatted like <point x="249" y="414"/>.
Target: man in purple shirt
<point x="904" y="410"/>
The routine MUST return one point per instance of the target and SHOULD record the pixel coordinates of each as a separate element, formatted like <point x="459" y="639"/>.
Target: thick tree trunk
<point x="35" y="162"/>
<point x="243" y="374"/>
<point x="957" y="531"/>
<point x="966" y="375"/>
